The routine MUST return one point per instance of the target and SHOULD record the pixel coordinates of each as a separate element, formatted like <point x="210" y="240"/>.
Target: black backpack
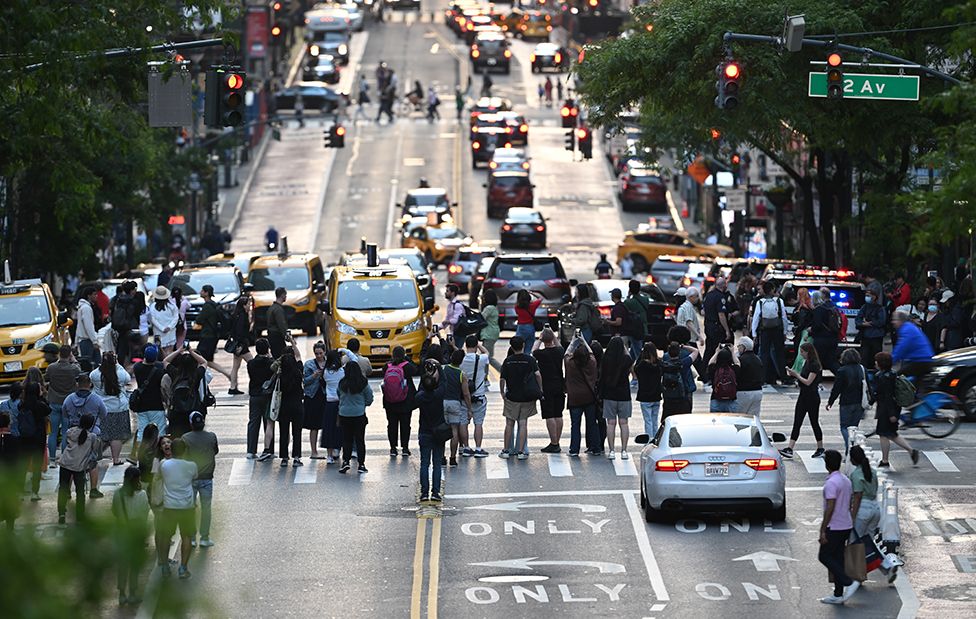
<point x="124" y="315"/>
<point x="225" y="322"/>
<point x="185" y="398"/>
<point x="632" y="325"/>
<point x="672" y="384"/>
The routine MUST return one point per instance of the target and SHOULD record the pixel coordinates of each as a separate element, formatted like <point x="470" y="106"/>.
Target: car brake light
<point x="494" y="282"/>
<point x="532" y="58"/>
<point x="525" y="165"/>
<point x="475" y="53"/>
<point x="649" y="279"/>
<point x="508" y="53"/>
<point x="605" y="311"/>
<point x="540" y="228"/>
<point x="669" y="311"/>
<point x="557" y="283"/>
<point x="670" y="466"/>
<point x="470" y="25"/>
<point x="475" y="145"/>
<point x="564" y="111"/>
<point x="507" y="228"/>
<point x="686" y="281"/>
<point x="548" y="28"/>
<point x="523" y="128"/>
<point x="508" y="144"/>
<point x="509" y="129"/>
<point x="455" y="268"/>
<point x="710" y="278"/>
<point x="762" y="464"/>
<point x="574" y="111"/>
<point x="559" y="58"/>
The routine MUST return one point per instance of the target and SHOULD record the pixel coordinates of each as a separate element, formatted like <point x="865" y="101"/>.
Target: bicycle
<point x="936" y="413"/>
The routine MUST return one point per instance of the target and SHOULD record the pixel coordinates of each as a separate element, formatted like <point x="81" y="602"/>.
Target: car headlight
<point x="416" y="325"/>
<point x="939" y="370"/>
<point x="47" y="339"/>
<point x="345" y="329"/>
<point x="313" y="50"/>
<point x="343" y="49"/>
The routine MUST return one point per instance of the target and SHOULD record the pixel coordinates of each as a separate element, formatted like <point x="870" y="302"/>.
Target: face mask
<point x="933" y="308"/>
<point x="869" y="299"/>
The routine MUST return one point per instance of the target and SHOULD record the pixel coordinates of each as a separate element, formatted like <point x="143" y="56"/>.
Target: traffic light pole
<point x="729" y="37"/>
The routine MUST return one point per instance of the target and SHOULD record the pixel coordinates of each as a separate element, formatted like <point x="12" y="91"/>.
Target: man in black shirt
<point x="258" y="372"/>
<point x="521" y="386"/>
<point x="716" y="318"/>
<point x="750" y="378"/>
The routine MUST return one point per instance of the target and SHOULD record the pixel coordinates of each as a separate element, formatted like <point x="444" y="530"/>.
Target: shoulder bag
<point x="274" y="409"/>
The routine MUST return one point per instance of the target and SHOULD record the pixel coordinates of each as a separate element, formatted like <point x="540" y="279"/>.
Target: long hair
<point x="333" y="360"/>
<point x="34" y="376"/>
<point x="150" y="439"/>
<point x="581" y="357"/>
<point x="803" y="299"/>
<point x="131" y="481"/>
<point x="353" y="381"/>
<point x="859" y="459"/>
<point x="522" y="299"/>
<point x="110" y="377"/>
<point x="813" y="359"/>
<point x="86" y="423"/>
<point x="615" y="361"/>
<point x="32" y="395"/>
<point x="649" y="353"/>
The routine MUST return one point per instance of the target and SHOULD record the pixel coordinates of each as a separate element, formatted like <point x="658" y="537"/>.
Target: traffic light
<point x="571" y="140"/>
<point x="276" y="32"/>
<point x="335" y="137"/>
<point x="569" y="112"/>
<point x="735" y="161"/>
<point x="729" y="74"/>
<point x="835" y="76"/>
<point x="224" y="103"/>
<point x="585" y="139"/>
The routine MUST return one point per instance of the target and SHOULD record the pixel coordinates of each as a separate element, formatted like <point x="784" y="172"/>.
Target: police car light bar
<point x="838" y="273"/>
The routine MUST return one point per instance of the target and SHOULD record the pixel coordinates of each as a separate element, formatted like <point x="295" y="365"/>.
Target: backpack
<point x="769" y="320"/>
<point x="185" y="398"/>
<point x="26" y="423"/>
<point x="135" y="398"/>
<point x="395" y="383"/>
<point x="632" y="325"/>
<point x="672" y="383"/>
<point x="904" y="392"/>
<point x="124" y="314"/>
<point x="594" y="321"/>
<point x="723" y="384"/>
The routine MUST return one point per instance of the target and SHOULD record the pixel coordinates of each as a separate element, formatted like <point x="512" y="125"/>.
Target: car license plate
<point x="492" y="61"/>
<point x="717" y="470"/>
<point x="13" y="366"/>
<point x="380" y="350"/>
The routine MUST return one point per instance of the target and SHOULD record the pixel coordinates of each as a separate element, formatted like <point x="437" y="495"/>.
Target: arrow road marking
<point x="514" y="506"/>
<point x="765" y="561"/>
<point x="529" y="562"/>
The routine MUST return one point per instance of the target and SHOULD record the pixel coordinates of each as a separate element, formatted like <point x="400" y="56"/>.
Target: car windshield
<point x="445" y="233"/>
<point x="19" y="311"/>
<point x="470" y="256"/>
<point x="667" y="265"/>
<point x="699" y="269"/>
<point x="377" y="294"/>
<point x="191" y="283"/>
<point x="491" y="45"/>
<point x="290" y="278"/>
<point x="333" y="36"/>
<point x="432" y="199"/>
<point x="527" y="270"/>
<point x="715" y="435"/>
<point x="412" y="260"/>
<point x="517" y="216"/>
<point x="602" y="289"/>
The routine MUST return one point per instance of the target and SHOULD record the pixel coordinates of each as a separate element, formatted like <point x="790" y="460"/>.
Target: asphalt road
<point x="550" y="536"/>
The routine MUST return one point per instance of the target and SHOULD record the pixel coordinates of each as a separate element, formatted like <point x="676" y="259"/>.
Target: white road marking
<point x="940" y="460"/>
<point x="644" y="545"/>
<point x="113" y="476"/>
<point x="496" y="468"/>
<point x="559" y="465"/>
<point x="240" y="472"/>
<point x="813" y="465"/>
<point x="624" y="468"/>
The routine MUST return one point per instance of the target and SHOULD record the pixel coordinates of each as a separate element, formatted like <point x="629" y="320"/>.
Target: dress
<point x="331" y="437"/>
<point x="314" y="400"/>
<point x="117" y="425"/>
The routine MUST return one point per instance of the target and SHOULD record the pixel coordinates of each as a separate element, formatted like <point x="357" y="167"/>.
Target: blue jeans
<point x="87" y="355"/>
<point x="431" y="452"/>
<point x="527" y="333"/>
<point x="636" y="346"/>
<point x="587" y="334"/>
<point x="58" y="422"/>
<point x="650" y="411"/>
<point x="723" y="406"/>
<point x="579" y="415"/>
<point x="850" y="415"/>
<point x="203" y="488"/>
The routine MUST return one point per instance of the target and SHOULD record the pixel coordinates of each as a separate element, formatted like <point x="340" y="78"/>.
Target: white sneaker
<point x="193" y="543"/>
<point x="206" y="542"/>
<point x="330" y="460"/>
<point x="832" y="599"/>
<point x="610" y="455"/>
<point x="850" y="590"/>
<point x="250" y="456"/>
<point x="624" y="455"/>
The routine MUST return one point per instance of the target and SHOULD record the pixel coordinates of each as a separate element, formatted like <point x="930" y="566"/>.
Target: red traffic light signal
<point x="835" y="76"/>
<point x="732" y="70"/>
<point x="340" y="131"/>
<point x="275" y="31"/>
<point x="834" y="60"/>
<point x="581" y="133"/>
<point x="234" y="81"/>
<point x="736" y="159"/>
<point x="729" y="73"/>
<point x="276" y="6"/>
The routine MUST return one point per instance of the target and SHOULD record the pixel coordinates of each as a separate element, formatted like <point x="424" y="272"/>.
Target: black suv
<point x="540" y="273"/>
<point x="660" y="313"/>
<point x="490" y="51"/>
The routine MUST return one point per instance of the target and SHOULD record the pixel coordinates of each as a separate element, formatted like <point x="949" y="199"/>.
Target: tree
<point x="76" y="152"/>
<point x="669" y="73"/>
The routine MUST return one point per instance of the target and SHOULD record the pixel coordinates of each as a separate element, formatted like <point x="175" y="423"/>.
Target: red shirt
<point x="102" y="303"/>
<point x="527" y="317"/>
<point x="902" y="296"/>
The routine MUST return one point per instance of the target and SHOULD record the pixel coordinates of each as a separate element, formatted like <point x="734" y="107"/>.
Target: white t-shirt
<point x="481" y="380"/>
<point x="178" y="476"/>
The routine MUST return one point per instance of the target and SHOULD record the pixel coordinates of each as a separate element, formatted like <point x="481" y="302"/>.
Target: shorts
<point x="617" y="409"/>
<point x="479" y="407"/>
<point x="206" y="348"/>
<point x="455" y="412"/>
<point x="552" y="406"/>
<point x="518" y="411"/>
<point x="145" y="418"/>
<point x="184" y="519"/>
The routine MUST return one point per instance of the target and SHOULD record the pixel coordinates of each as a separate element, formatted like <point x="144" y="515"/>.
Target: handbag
<point x="471" y="321"/>
<point x="866" y="404"/>
<point x="231" y="346"/>
<point x="274" y="409"/>
<point x="855" y="564"/>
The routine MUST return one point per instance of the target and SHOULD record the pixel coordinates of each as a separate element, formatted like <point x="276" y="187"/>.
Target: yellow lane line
<point x="418" y="569"/>
<point x="435" y="561"/>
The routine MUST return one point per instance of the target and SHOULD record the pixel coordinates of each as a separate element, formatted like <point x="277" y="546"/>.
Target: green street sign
<point x="868" y="86"/>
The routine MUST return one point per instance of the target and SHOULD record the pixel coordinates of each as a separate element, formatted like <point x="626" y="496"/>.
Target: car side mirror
<point x="574" y="282"/>
<point x="454" y="203"/>
<point x="399" y="204"/>
<point x="642" y="439"/>
<point x="483" y="185"/>
<point x="778" y="437"/>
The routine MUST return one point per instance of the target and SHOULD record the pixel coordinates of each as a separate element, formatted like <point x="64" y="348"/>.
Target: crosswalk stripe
<point x="240" y="472"/>
<point x="940" y="460"/>
<point x="307" y="474"/>
<point x="559" y="465"/>
<point x="624" y="468"/>
<point x="496" y="468"/>
<point x="813" y="465"/>
<point x="112" y="477"/>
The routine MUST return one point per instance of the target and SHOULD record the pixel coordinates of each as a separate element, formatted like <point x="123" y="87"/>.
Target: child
<point x="648" y="373"/>
<point x="130" y="506"/>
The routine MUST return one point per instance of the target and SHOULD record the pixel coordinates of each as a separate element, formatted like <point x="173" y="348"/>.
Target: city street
<point x="550" y="536"/>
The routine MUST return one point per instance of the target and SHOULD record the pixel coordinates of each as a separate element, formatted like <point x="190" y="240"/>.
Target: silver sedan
<point x="712" y="462"/>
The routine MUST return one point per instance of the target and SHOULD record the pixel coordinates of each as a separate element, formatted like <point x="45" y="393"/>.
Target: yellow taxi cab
<point x="438" y="241"/>
<point x="530" y="24"/>
<point x="28" y="321"/>
<point x="381" y="306"/>
<point x="644" y="246"/>
<point x="241" y="259"/>
<point x="302" y="275"/>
